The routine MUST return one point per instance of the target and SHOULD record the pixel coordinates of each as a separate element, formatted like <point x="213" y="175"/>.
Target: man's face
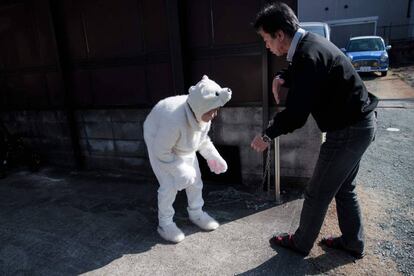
<point x="274" y="44"/>
<point x="210" y="115"/>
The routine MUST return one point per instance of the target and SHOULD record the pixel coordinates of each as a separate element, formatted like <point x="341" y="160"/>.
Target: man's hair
<point x="276" y="16"/>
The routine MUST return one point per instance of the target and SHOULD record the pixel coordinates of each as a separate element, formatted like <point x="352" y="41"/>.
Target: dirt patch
<point x="390" y="88"/>
<point x="374" y="263"/>
<point x="397" y="85"/>
<point x="406" y="73"/>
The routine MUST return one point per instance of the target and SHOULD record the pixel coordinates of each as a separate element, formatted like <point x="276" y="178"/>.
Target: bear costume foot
<point x="205" y="222"/>
<point x="171" y="232"/>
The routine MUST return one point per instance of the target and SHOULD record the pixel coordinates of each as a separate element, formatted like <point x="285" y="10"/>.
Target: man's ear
<point x="280" y="35"/>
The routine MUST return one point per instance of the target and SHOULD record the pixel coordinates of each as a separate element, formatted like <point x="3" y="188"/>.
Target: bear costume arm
<point x="215" y="162"/>
<point x="208" y="150"/>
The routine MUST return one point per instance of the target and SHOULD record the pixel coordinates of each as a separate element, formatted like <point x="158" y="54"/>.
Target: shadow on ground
<point x="54" y="223"/>
<point x="62" y="222"/>
<point x="370" y="75"/>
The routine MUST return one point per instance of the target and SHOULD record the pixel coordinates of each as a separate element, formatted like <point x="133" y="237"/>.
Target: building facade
<point x="393" y="20"/>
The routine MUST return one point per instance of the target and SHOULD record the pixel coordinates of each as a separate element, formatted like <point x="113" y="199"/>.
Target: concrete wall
<point x="298" y="150"/>
<point x="113" y="140"/>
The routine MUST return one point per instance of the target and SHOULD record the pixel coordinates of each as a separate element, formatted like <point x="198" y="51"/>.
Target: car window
<point x="368" y="44"/>
<point x="316" y="29"/>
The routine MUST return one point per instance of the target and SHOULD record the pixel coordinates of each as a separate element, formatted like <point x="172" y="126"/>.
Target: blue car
<point x="368" y="54"/>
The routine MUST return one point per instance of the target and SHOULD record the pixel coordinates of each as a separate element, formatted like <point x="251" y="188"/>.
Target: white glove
<point x="184" y="176"/>
<point x="217" y="165"/>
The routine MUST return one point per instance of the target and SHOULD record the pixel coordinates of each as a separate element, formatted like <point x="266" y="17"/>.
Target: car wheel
<point x="383" y="74"/>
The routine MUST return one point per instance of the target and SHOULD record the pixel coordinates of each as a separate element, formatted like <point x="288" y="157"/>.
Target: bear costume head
<point x="207" y="95"/>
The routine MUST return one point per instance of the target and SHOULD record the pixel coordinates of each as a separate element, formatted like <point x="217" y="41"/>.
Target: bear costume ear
<point x="205" y="77"/>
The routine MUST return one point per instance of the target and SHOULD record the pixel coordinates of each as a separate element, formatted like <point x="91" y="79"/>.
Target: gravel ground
<point x="388" y="173"/>
<point x="406" y="73"/>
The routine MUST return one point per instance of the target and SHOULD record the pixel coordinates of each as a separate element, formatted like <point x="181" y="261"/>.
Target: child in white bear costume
<point x="174" y="130"/>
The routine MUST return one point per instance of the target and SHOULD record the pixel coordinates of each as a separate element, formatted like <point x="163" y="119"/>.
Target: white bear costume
<point x="173" y="132"/>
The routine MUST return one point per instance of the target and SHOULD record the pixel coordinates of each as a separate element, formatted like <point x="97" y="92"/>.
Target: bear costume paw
<point x="217" y="165"/>
<point x="184" y="176"/>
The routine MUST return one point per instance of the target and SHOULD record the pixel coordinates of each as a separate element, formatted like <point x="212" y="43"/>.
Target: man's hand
<point x="276" y="86"/>
<point x="258" y="144"/>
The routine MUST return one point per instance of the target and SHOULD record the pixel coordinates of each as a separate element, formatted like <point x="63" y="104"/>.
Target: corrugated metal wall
<point x="109" y="53"/>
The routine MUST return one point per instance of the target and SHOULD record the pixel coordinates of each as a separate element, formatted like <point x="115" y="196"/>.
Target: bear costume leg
<point x="167" y="229"/>
<point x="195" y="211"/>
<point x="167" y="193"/>
<point x="166" y="198"/>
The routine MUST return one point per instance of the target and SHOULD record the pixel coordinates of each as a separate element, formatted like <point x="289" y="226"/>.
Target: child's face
<point x="208" y="116"/>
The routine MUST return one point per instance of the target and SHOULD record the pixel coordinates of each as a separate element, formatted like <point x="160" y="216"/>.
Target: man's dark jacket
<point x="321" y="82"/>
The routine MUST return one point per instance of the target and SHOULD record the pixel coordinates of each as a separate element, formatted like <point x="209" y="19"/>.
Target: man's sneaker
<point x="205" y="222"/>
<point x="171" y="233"/>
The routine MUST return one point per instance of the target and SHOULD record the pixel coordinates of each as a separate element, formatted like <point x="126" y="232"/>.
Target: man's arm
<point x="285" y="74"/>
<point x="282" y="79"/>
<point x="304" y="87"/>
